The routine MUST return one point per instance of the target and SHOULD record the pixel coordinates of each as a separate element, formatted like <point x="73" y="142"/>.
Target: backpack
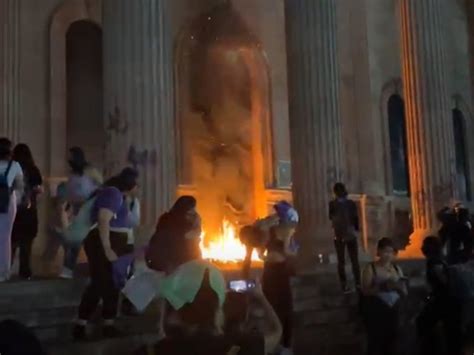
<point x="342" y="220"/>
<point x="81" y="224"/>
<point x="5" y="190"/>
<point x="461" y="281"/>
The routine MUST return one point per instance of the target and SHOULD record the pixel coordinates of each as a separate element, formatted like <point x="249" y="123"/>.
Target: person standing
<point x="25" y="227"/>
<point x="383" y="285"/>
<point x="345" y="222"/>
<point x="11" y="185"/>
<point x="103" y="247"/>
<point x="177" y="237"/>
<point x="278" y="270"/>
<point x="59" y="221"/>
<point x="83" y="181"/>
<point x="440" y="306"/>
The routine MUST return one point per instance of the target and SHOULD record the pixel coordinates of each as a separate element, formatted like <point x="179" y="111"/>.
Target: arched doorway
<point x="398" y="145"/>
<point x="69" y="13"/>
<point x="84" y="124"/>
<point x="223" y="106"/>
<point x="460" y="145"/>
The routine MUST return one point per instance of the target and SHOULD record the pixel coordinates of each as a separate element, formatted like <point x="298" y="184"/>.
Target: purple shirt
<point x="112" y="199"/>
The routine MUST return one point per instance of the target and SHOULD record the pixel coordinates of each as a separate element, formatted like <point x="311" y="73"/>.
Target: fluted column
<point x="10" y="69"/>
<point x="431" y="153"/>
<point x="315" y="125"/>
<point x="138" y="97"/>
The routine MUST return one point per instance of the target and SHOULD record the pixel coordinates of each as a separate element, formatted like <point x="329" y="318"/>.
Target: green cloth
<point x="182" y="286"/>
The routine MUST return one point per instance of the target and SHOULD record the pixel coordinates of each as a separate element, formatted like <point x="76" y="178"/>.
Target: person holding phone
<point x="383" y="285"/>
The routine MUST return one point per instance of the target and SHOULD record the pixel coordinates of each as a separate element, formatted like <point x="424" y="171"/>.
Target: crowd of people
<point x="200" y="313"/>
<point x="382" y="284"/>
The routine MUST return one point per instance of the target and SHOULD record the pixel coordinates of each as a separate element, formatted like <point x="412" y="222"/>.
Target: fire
<point x="226" y="247"/>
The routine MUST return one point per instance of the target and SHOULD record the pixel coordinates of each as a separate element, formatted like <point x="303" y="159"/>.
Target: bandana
<point x="182" y="286"/>
<point x="286" y="212"/>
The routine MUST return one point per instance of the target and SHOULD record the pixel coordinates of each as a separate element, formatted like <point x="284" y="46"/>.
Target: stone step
<point x="317" y="303"/>
<point x="122" y="346"/>
<point x="39" y="294"/>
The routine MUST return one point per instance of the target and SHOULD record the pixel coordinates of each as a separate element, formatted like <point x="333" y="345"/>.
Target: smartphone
<point x="241" y="286"/>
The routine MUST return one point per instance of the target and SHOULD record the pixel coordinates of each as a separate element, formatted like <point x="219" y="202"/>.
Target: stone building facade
<point x="244" y="102"/>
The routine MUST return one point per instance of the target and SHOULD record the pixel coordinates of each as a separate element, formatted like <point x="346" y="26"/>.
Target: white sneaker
<point x="66" y="274"/>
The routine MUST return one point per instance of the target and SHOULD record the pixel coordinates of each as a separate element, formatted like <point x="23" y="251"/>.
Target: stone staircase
<point x="49" y="307"/>
<point x="326" y="321"/>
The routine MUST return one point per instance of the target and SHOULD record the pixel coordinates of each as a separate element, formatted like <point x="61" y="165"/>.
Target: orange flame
<point x="226" y="247"/>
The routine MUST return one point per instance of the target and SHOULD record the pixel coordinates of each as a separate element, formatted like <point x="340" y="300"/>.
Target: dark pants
<point x="277" y="289"/>
<point x="25" y="229"/>
<point x="353" y="250"/>
<point x="447" y="313"/>
<point x="102" y="285"/>
<point x="382" y="325"/>
<point x="25" y="256"/>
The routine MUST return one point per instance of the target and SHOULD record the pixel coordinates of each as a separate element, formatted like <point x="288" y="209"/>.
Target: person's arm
<point x="401" y="286"/>
<point x="288" y="250"/>
<point x="273" y="329"/>
<point x="355" y="216"/>
<point x="37" y="181"/>
<point x="331" y="210"/>
<point x="104" y="218"/>
<point x="135" y="213"/>
<point x="368" y="287"/>
<point x="62" y="210"/>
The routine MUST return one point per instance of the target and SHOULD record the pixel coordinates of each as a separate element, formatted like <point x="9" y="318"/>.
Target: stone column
<point x="138" y="98"/>
<point x="10" y="73"/>
<point x="315" y="125"/>
<point x="429" y="124"/>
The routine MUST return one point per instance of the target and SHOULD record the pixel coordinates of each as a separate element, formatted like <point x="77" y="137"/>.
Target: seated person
<point x="195" y="325"/>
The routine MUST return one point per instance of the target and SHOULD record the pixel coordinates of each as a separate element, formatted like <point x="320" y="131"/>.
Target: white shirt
<point x="15" y="171"/>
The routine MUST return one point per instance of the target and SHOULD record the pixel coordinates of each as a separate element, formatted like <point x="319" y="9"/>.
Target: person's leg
<point x="93" y="293"/>
<point x="71" y="253"/>
<point x="341" y="262"/>
<point x="353" y="250"/>
<point x="426" y="327"/>
<point x="109" y="292"/>
<point x="453" y="329"/>
<point x="25" y="258"/>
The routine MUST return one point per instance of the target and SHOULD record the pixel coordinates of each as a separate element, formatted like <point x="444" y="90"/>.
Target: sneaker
<point x="79" y="332"/>
<point x="66" y="274"/>
<point x="110" y="331"/>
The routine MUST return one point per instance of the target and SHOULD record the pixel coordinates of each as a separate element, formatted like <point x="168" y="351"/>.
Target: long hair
<point x="5" y="148"/>
<point x="125" y="181"/>
<point x="22" y="154"/>
<point x="77" y="161"/>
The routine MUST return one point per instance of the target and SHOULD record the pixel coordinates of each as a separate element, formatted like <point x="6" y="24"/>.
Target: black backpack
<point x="5" y="190"/>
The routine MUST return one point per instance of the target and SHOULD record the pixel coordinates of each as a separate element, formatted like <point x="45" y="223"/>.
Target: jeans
<point x="71" y="253"/>
<point x="353" y="250"/>
<point x="101" y="286"/>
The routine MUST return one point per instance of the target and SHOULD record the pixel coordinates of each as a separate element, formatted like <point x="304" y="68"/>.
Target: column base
<point x="413" y="250"/>
<point x="315" y="249"/>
